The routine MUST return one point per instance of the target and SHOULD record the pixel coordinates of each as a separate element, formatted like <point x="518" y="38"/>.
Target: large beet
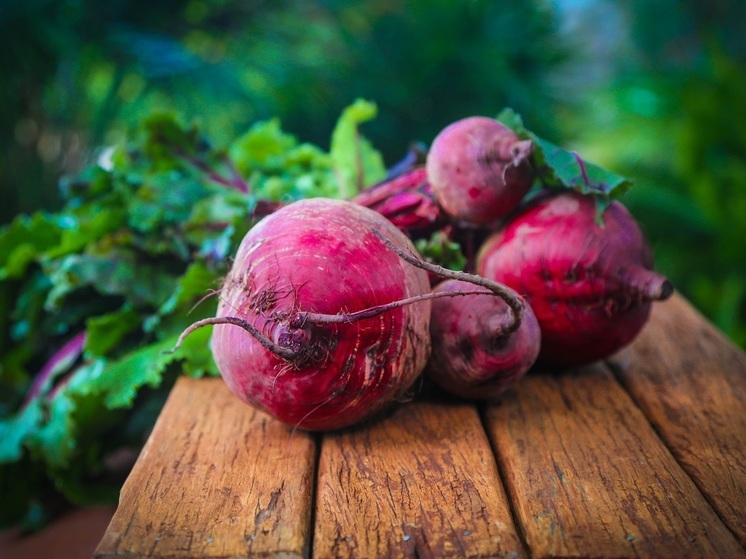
<point x="295" y="346"/>
<point x="590" y="287"/>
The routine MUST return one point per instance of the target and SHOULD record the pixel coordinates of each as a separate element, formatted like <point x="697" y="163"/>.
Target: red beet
<point x="476" y="354"/>
<point x="305" y="329"/>
<point x="479" y="169"/>
<point x="589" y="286"/>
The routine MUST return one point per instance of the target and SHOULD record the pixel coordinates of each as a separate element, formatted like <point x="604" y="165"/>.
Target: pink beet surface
<point x="298" y="279"/>
<point x="479" y="169"/>
<point x="590" y="287"/>
<point x="475" y="354"/>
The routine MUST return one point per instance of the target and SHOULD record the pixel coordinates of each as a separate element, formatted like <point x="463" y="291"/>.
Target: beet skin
<point x="475" y="354"/>
<point x="479" y="169"/>
<point x="298" y="275"/>
<point x="590" y="287"/>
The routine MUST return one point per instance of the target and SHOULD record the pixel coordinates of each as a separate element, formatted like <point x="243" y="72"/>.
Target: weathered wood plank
<point x="420" y="483"/>
<point x="588" y="476"/>
<point x="690" y="382"/>
<point x="215" y="479"/>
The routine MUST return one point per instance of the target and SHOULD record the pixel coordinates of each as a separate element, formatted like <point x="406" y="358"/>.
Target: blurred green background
<point x="653" y="90"/>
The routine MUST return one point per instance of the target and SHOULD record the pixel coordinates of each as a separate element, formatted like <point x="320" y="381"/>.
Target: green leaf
<point x="118" y="273"/>
<point x="15" y="430"/>
<point x="263" y="145"/>
<point x="120" y="380"/>
<point x="559" y="168"/>
<point x="197" y="354"/>
<point x="86" y="226"/>
<point x="198" y="282"/>
<point x="167" y="141"/>
<point x="105" y="332"/>
<point x="356" y="161"/>
<point x="24" y="240"/>
<point x="441" y="250"/>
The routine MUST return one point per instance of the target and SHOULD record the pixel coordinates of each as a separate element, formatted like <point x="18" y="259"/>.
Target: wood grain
<point x="421" y="483"/>
<point x="690" y="381"/>
<point x="216" y="479"/>
<point x="588" y="476"/>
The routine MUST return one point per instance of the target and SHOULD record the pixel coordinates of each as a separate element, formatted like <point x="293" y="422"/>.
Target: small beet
<point x="590" y="286"/>
<point x="479" y="169"/>
<point x="475" y="353"/>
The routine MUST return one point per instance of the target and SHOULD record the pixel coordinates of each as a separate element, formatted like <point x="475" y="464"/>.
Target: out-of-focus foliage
<point x="78" y="73"/>
<point x="96" y="293"/>
<point x="671" y="114"/>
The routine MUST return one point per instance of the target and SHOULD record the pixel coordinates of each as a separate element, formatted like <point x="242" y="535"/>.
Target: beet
<point x="475" y="353"/>
<point x="305" y="329"/>
<point x="590" y="286"/>
<point x="479" y="169"/>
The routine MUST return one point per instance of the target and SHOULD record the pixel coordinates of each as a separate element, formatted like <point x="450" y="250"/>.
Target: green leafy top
<point x="145" y="235"/>
<point x="560" y="168"/>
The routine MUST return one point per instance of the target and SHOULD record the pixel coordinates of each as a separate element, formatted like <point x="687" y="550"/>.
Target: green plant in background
<point x="78" y="75"/>
<point x="671" y="116"/>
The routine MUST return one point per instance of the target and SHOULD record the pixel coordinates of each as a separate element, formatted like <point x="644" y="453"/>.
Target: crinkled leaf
<point x="357" y="162"/>
<point x="164" y="199"/>
<point x="197" y="354"/>
<point x="120" y="380"/>
<point x="167" y="141"/>
<point x="264" y="144"/>
<point x="84" y="227"/>
<point x="55" y="440"/>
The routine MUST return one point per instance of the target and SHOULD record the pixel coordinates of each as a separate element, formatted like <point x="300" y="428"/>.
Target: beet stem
<point x="511" y="298"/>
<point x="318" y="318"/>
<point x="61" y="360"/>
<point x="280" y="351"/>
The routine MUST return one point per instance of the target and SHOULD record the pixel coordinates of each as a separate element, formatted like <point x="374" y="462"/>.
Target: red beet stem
<point x="60" y="361"/>
<point x="511" y="298"/>
<point x="319" y="318"/>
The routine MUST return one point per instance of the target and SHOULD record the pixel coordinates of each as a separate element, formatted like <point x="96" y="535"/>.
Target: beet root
<point x="590" y="286"/>
<point x="287" y="338"/>
<point x="479" y="169"/>
<point x="474" y="355"/>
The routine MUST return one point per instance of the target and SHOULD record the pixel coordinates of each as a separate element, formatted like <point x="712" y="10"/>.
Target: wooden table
<point x="640" y="456"/>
